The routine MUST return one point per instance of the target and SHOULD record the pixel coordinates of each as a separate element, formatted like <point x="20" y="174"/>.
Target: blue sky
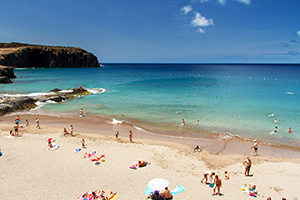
<point x="160" y="31"/>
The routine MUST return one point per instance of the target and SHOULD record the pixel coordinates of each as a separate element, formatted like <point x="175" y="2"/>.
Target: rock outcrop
<point x="21" y="55"/>
<point x="6" y="73"/>
<point x="13" y="104"/>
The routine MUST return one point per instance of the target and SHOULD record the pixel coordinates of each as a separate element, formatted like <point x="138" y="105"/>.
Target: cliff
<point x="21" y="55"/>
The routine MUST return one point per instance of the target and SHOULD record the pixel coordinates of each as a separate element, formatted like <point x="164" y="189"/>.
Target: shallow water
<point x="235" y="99"/>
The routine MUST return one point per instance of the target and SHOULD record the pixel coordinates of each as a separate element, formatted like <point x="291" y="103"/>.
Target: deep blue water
<point x="234" y="99"/>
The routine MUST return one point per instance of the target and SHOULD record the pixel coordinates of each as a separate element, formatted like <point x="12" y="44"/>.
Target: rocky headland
<point x="19" y="55"/>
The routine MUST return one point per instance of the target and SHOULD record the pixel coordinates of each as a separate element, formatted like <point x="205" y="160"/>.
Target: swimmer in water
<point x="275" y="120"/>
<point x="183" y="122"/>
<point x="272" y="115"/>
<point x="197" y="122"/>
<point x="275" y="131"/>
<point x="289" y="130"/>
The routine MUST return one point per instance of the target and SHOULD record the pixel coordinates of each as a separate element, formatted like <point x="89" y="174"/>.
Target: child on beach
<point x="130" y="135"/>
<point x="226" y="175"/>
<point x="81" y="112"/>
<point x="83" y="143"/>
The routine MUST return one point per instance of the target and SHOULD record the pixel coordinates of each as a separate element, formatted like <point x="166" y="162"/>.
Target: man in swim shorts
<point x="255" y="148"/>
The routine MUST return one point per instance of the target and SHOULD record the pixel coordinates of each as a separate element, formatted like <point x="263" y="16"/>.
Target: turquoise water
<point x="235" y="99"/>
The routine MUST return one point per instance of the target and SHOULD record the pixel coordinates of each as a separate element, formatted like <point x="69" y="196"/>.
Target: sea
<point x="230" y="100"/>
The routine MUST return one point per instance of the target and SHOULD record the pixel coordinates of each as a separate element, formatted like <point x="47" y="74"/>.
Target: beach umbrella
<point x="158" y="184"/>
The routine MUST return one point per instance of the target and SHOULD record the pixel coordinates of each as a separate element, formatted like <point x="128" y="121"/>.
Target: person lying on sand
<point x="97" y="158"/>
<point x="250" y="186"/>
<point x="143" y="163"/>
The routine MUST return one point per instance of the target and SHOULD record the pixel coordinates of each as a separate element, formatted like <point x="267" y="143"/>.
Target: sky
<point x="160" y="31"/>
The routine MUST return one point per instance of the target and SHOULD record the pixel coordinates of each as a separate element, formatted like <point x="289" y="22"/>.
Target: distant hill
<point x="20" y="55"/>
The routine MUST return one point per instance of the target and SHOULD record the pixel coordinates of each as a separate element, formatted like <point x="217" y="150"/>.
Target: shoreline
<point x="100" y="126"/>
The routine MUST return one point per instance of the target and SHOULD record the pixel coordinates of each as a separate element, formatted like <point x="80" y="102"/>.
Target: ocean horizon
<point x="229" y="100"/>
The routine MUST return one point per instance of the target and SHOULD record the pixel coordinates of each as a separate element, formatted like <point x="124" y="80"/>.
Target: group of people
<point x="165" y="195"/>
<point x="216" y="181"/>
<point x="130" y="135"/>
<point x="66" y="132"/>
<point x="100" y="194"/>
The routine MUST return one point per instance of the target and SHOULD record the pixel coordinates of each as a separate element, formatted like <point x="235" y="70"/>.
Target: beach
<point x="30" y="171"/>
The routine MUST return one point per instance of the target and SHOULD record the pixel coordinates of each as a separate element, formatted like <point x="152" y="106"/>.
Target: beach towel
<point x="134" y="165"/>
<point x="77" y="150"/>
<point x="178" y="189"/>
<point x="148" y="191"/>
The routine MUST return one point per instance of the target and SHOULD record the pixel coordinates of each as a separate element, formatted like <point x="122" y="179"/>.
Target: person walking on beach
<point x="117" y="135"/>
<point x="130" y="135"/>
<point x="37" y="123"/>
<point x="255" y="148"/>
<point x="247" y="164"/>
<point x="81" y="112"/>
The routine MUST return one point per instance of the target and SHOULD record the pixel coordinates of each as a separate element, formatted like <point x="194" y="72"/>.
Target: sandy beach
<point x="30" y="171"/>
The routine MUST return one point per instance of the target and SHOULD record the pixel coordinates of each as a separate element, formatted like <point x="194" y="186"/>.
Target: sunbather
<point x="97" y="158"/>
<point x="109" y="196"/>
<point x="143" y="163"/>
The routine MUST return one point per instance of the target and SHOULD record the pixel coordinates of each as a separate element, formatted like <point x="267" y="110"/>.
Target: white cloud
<point x="298" y="33"/>
<point x="186" y="9"/>
<point x="199" y="20"/>
<point x="222" y="2"/>
<point x="245" y="1"/>
<point x="200" y="30"/>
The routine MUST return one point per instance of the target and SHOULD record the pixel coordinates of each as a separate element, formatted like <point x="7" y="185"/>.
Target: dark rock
<point x="5" y="79"/>
<point x="57" y="99"/>
<point x="26" y="55"/>
<point x="55" y="90"/>
<point x="16" y="104"/>
<point x="78" y="90"/>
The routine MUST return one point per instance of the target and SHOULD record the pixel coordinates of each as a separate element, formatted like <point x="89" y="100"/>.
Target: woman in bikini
<point x="218" y="184"/>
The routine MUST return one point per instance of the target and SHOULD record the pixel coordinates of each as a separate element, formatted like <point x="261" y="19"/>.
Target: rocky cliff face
<point x="21" y="55"/>
<point x="6" y="73"/>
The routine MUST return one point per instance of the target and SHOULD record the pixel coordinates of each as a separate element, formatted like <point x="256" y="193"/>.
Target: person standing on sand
<point x="218" y="184"/>
<point x="71" y="130"/>
<point x="247" y="164"/>
<point x="83" y="143"/>
<point x="17" y="119"/>
<point x="27" y="122"/>
<point x="16" y="128"/>
<point x="130" y="135"/>
<point x="117" y="135"/>
<point x="255" y="148"/>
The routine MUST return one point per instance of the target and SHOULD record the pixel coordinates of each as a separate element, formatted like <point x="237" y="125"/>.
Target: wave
<point x="114" y="121"/>
<point x="38" y="94"/>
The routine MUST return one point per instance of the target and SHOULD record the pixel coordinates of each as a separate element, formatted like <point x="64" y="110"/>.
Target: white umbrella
<point x="158" y="184"/>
